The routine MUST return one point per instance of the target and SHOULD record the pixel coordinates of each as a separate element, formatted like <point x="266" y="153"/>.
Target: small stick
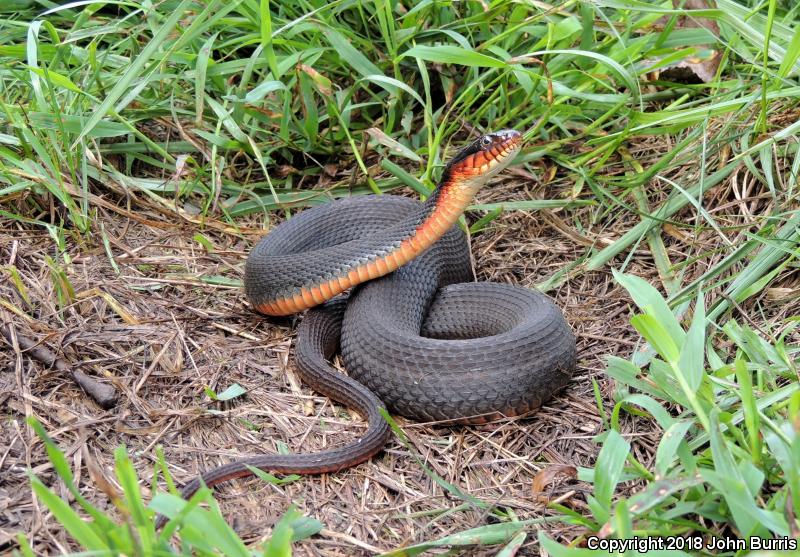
<point x="103" y="394"/>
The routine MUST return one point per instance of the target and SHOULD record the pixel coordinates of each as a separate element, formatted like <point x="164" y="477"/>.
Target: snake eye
<point x="486" y="141"/>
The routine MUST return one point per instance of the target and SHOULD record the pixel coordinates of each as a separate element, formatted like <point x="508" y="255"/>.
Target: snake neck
<point x="410" y="238"/>
<point x="441" y="211"/>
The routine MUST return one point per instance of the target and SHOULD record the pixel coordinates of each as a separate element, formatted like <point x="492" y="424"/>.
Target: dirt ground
<point x="167" y="323"/>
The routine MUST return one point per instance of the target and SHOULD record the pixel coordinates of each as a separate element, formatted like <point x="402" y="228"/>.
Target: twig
<point x="103" y="394"/>
<point x="349" y="539"/>
<point x="747" y="318"/>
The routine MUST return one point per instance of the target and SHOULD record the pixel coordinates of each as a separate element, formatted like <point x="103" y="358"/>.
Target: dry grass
<point x="161" y="334"/>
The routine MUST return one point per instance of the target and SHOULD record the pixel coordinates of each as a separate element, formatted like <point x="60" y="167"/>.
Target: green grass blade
<point x="134" y="70"/>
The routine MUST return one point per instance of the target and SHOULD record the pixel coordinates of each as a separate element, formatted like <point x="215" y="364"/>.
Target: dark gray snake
<point x="423" y="339"/>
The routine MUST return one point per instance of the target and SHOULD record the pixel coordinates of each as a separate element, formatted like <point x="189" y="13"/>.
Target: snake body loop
<point x="429" y="343"/>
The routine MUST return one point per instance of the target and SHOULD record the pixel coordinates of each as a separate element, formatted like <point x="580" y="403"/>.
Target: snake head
<point x="485" y="157"/>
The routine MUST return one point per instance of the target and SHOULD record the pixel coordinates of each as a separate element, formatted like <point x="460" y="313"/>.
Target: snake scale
<point x="415" y="333"/>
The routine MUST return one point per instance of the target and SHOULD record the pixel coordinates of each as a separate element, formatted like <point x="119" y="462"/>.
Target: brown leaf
<point x="695" y="69"/>
<point x="285" y="169"/>
<point x="265" y="111"/>
<point x="695" y="4"/>
<point x="789" y="506"/>
<point x="676" y="233"/>
<point x="705" y="69"/>
<point x="548" y="476"/>
<point x="606" y="531"/>
<point x="549" y="174"/>
<point x="780" y="293"/>
<point x="99" y="478"/>
<point x="323" y="83"/>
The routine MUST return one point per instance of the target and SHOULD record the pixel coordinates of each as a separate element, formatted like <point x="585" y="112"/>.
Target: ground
<point x="164" y="320"/>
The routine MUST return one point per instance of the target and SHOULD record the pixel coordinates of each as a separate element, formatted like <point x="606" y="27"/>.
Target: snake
<point x="416" y="335"/>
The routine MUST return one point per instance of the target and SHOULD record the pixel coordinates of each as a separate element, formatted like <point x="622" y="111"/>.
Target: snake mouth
<point x="487" y="155"/>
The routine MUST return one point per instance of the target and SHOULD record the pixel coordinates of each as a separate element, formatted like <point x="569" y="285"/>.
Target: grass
<point x="202" y="532"/>
<point x="225" y="114"/>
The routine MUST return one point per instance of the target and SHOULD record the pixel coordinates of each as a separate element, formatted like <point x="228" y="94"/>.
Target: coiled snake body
<point x="428" y="342"/>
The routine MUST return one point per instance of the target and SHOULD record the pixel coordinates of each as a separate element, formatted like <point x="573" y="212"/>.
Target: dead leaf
<point x="99" y="478"/>
<point x="549" y="174"/>
<point x="285" y="169"/>
<point x="323" y="83"/>
<point x="789" y="507"/>
<point x="676" y="233"/>
<point x="695" y="69"/>
<point x="548" y="476"/>
<point x="265" y="111"/>
<point x="780" y="293"/>
<point x="695" y="5"/>
<point x="330" y="170"/>
<point x="606" y="531"/>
